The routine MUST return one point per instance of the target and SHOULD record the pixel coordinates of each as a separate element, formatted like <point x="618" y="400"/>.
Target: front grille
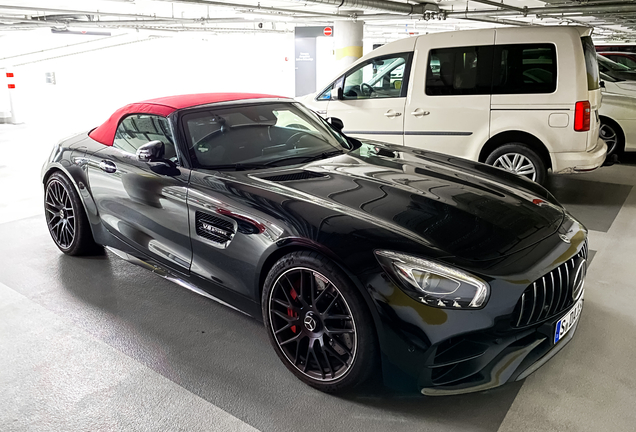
<point x="549" y="295"/>
<point x="214" y="228"/>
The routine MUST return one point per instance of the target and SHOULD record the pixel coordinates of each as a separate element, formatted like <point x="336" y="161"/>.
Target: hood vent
<point x="294" y="176"/>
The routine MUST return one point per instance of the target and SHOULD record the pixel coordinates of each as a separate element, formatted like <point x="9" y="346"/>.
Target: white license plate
<point x="566" y="323"/>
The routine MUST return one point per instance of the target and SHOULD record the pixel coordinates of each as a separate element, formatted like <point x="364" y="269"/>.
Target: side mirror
<point x="602" y="83"/>
<point x="336" y="123"/>
<point x="151" y="151"/>
<point x="340" y="94"/>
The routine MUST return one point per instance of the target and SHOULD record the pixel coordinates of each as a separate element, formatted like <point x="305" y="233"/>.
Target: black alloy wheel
<point x="65" y="217"/>
<point x="317" y="323"/>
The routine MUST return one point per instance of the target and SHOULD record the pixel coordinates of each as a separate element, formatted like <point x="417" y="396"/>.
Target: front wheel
<point x="519" y="159"/>
<point x="65" y="217"/>
<point x="611" y="133"/>
<point x="318" y="323"/>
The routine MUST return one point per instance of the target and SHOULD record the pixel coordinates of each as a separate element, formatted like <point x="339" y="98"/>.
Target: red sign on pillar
<point x="9" y="74"/>
<point x="327" y="31"/>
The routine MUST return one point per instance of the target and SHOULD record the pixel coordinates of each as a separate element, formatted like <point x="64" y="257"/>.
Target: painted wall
<point x="91" y="85"/>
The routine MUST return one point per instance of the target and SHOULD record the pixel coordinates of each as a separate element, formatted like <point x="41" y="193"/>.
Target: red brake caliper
<point x="290" y="312"/>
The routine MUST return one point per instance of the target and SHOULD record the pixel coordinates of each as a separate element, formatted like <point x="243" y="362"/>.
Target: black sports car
<point x="445" y="275"/>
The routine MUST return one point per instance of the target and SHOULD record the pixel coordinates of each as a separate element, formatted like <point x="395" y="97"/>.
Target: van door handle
<point x="108" y="166"/>
<point x="392" y="114"/>
<point x="419" y="112"/>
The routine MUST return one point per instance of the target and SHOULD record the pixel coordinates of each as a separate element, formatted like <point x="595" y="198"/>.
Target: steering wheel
<point x="297" y="126"/>
<point x="369" y="90"/>
<point x="295" y="139"/>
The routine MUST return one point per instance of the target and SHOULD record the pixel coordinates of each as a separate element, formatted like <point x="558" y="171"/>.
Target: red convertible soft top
<point x="105" y="133"/>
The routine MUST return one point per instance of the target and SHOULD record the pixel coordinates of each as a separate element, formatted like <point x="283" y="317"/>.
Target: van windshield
<point x="591" y="64"/>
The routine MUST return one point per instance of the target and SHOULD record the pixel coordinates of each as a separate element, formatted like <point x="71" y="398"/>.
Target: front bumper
<point x="446" y="351"/>
<point x="503" y="360"/>
<point x="572" y="162"/>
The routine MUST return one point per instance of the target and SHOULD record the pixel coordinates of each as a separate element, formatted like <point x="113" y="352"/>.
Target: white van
<point x="522" y="99"/>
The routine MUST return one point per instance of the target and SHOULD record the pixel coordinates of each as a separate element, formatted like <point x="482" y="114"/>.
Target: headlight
<point x="434" y="284"/>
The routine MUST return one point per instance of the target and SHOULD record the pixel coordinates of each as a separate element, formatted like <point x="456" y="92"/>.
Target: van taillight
<point x="582" y="112"/>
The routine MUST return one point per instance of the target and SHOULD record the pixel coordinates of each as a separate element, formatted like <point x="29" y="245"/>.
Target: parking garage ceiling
<point x="613" y="20"/>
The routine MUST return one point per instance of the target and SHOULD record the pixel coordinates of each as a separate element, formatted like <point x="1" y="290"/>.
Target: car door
<point x="138" y="203"/>
<point x="448" y="109"/>
<point x="371" y="102"/>
<point x="229" y="233"/>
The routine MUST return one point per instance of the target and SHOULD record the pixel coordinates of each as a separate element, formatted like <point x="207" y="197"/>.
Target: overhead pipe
<point x="247" y="7"/>
<point x="502" y="5"/>
<point x="502" y="21"/>
<point x="381" y="5"/>
<point x="614" y="7"/>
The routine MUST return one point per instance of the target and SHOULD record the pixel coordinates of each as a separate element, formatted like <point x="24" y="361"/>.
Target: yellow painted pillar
<point x="348" y="42"/>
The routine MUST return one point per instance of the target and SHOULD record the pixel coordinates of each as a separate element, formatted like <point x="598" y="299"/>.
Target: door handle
<point x="392" y="114"/>
<point x="419" y="112"/>
<point x="108" y="166"/>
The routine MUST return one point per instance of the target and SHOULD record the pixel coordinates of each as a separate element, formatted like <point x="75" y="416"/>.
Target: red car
<point x="625" y="58"/>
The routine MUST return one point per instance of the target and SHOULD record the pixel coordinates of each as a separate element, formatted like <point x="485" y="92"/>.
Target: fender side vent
<point x="294" y="176"/>
<point x="214" y="228"/>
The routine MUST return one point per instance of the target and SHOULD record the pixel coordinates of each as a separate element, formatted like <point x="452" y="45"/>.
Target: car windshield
<point x="612" y="65"/>
<point x="256" y="135"/>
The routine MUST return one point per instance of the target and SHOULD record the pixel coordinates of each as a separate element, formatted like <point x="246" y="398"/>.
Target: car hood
<point x="626" y="103"/>
<point x="456" y="207"/>
<point x="626" y="85"/>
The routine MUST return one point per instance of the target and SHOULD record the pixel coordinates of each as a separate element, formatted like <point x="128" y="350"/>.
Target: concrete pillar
<point x="348" y="42"/>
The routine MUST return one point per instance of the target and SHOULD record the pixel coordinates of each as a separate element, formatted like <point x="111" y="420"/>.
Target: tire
<point x="519" y="159"/>
<point x="312" y="311"/>
<point x="66" y="218"/>
<point x="612" y="134"/>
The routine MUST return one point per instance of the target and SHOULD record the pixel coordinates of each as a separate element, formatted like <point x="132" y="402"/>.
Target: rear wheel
<point x="519" y="159"/>
<point x="65" y="217"/>
<point x="318" y="323"/>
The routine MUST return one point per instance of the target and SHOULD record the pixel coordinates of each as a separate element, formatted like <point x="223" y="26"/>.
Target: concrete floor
<point x="98" y="344"/>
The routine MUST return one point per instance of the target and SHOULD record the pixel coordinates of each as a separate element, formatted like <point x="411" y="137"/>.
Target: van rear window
<point x="591" y="64"/>
<point x="525" y="68"/>
<point x="499" y="69"/>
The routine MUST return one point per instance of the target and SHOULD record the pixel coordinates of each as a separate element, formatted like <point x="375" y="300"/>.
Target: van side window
<point x="524" y="68"/>
<point x="381" y="77"/>
<point x="459" y="71"/>
<point x="325" y="95"/>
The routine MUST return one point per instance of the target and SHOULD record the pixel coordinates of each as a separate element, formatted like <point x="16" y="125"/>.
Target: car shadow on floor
<point x="594" y="203"/>
<point x="225" y="357"/>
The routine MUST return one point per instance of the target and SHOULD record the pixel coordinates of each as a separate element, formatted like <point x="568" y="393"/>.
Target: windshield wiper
<point x="323" y="155"/>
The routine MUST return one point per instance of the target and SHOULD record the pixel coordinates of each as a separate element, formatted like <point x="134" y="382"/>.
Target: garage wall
<point x="91" y="85"/>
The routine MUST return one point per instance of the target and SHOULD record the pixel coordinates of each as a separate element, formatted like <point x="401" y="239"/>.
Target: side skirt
<point x="166" y="274"/>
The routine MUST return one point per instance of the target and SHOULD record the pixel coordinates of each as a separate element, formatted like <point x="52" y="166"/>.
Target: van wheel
<point x="613" y="136"/>
<point x="519" y="159"/>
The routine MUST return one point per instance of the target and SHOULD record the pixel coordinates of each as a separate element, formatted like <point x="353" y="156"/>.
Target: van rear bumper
<point x="571" y="162"/>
